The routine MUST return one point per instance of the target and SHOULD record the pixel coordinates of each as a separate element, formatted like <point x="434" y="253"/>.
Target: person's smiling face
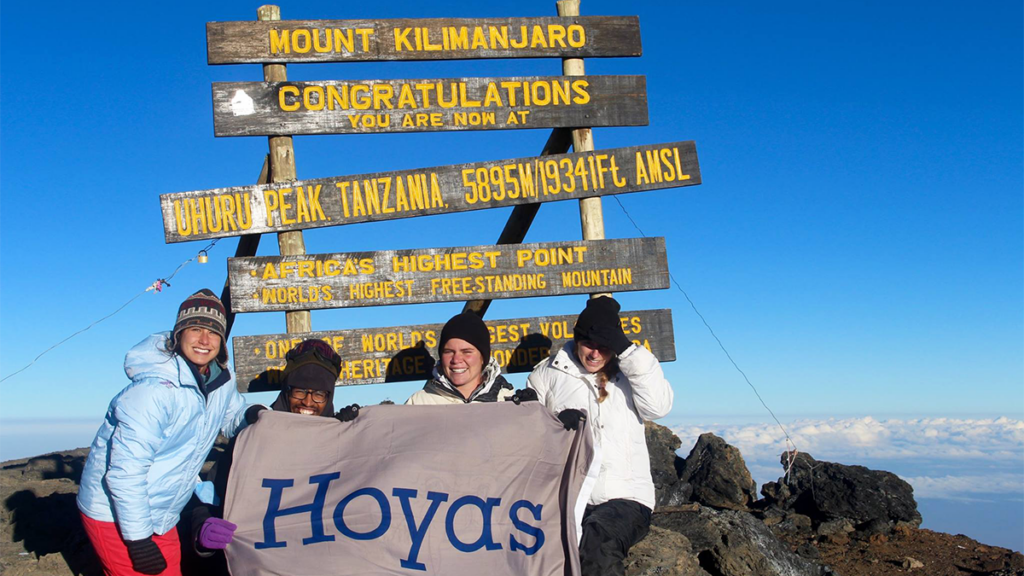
<point x="308" y="402"/>
<point x="593" y="356"/>
<point x="200" y="345"/>
<point x="462" y="364"/>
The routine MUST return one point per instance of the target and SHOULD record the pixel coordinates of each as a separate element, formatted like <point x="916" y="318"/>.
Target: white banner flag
<point x="408" y="490"/>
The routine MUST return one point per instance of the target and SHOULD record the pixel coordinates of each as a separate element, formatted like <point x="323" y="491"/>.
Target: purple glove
<point x="216" y="534"/>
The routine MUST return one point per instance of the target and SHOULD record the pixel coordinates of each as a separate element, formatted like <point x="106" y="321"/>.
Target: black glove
<point x="611" y="336"/>
<point x="571" y="418"/>
<point x="348" y="413"/>
<point x="524" y="395"/>
<point x="252" y="413"/>
<point x="146" y="556"/>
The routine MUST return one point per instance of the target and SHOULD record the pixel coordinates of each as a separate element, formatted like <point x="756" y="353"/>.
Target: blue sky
<point x="856" y="243"/>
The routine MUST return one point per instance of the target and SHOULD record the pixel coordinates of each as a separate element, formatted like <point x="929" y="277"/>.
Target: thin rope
<point x="717" y="339"/>
<point x="156" y="286"/>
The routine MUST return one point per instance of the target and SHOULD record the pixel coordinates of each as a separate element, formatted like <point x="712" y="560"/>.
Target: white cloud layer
<point x="957" y="487"/>
<point x="940" y="457"/>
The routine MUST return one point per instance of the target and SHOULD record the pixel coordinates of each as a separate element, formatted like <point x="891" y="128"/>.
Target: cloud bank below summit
<point x="940" y="457"/>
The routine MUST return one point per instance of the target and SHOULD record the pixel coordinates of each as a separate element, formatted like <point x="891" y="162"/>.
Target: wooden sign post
<point x="426" y="105"/>
<point x="591" y="215"/>
<point x="317" y="281"/>
<point x="572" y="104"/>
<point x="341" y="200"/>
<point x="282" y="169"/>
<point x="405" y="353"/>
<point x="421" y="39"/>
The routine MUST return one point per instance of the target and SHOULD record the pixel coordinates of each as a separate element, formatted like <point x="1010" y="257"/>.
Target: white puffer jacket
<point x="439" y="390"/>
<point x="638" y="392"/>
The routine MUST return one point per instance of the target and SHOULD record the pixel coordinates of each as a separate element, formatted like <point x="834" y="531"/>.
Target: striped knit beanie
<point x="204" y="310"/>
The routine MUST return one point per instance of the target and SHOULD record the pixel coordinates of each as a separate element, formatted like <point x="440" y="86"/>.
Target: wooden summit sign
<point x="404" y="353"/>
<point x="404" y="194"/>
<point x="287" y="41"/>
<point x="427" y="105"/>
<point x="315" y="281"/>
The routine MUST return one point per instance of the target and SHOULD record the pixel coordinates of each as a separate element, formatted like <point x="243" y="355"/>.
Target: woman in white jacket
<point x="619" y="384"/>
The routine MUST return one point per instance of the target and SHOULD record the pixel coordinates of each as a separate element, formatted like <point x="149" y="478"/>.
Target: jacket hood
<point x="565" y="360"/>
<point x="152" y="359"/>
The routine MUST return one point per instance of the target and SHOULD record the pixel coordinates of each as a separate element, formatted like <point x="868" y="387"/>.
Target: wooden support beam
<point x="247" y="246"/>
<point x="521" y="218"/>
<point x="282" y="169"/>
<point x="591" y="215"/>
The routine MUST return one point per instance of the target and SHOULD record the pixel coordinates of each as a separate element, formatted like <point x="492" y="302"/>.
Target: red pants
<point x="109" y="545"/>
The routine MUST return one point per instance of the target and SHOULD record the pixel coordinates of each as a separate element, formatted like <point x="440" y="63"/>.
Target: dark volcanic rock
<point x="874" y="501"/>
<point x="718" y="474"/>
<point x="40" y="529"/>
<point x="733" y="543"/>
<point x="40" y="533"/>
<point x="665" y="466"/>
<point x="663" y="553"/>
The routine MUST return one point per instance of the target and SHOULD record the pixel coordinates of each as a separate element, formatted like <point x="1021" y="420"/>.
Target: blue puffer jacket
<point x="145" y="460"/>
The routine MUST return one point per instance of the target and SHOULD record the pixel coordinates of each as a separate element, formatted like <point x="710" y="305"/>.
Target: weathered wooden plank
<point x="591" y="210"/>
<point x="344" y="200"/>
<point x="293" y="41"/>
<point x="282" y="169"/>
<point x="427" y="105"/>
<point x="248" y="244"/>
<point x="315" y="281"/>
<point x="404" y="353"/>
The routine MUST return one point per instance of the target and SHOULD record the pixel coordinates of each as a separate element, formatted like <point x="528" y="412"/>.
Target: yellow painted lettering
<point x="343" y="41"/>
<point x="537" y="39"/>
<point x="580" y="88"/>
<point x="326" y="46"/>
<point x="577" y="36"/>
<point x="402" y="39"/>
<point x="316" y="211"/>
<point x="270" y="200"/>
<point x="282" y="98"/>
<point x="641" y="171"/>
<point x="279" y="42"/>
<point x="342" y="189"/>
<point x="499" y="37"/>
<point x="308" y="99"/>
<point x="365" y="101"/>
<point x="523" y="39"/>
<point x="304" y="45"/>
<point x="556" y="35"/>
<point x="479" y="41"/>
<point x="364" y="37"/>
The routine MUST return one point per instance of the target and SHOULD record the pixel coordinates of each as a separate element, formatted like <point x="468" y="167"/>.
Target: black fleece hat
<point x="471" y="328"/>
<point x="600" y="312"/>
<point x="312" y="365"/>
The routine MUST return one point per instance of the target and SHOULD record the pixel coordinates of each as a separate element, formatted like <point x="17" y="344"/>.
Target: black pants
<point x="609" y="531"/>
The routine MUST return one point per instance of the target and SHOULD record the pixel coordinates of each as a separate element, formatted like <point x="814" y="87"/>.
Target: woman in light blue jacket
<point x="144" y="462"/>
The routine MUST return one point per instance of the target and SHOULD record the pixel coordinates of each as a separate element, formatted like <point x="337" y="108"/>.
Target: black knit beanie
<point x="471" y="328"/>
<point x="600" y="312"/>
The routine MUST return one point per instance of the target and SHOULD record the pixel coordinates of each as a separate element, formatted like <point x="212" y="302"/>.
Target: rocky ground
<point x="824" y="519"/>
